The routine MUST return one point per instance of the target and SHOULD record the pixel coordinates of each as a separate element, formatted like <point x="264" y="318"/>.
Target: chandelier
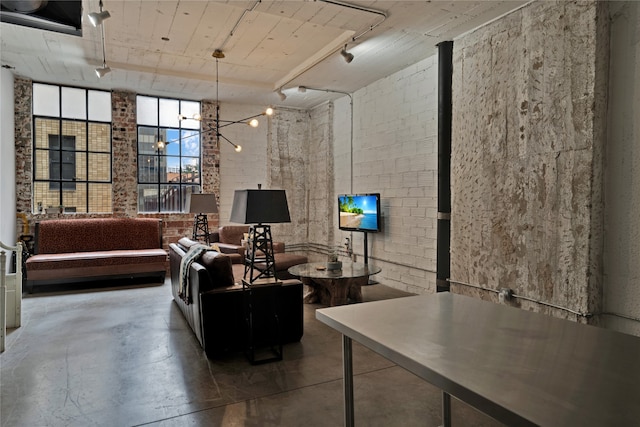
<point x="219" y="123"/>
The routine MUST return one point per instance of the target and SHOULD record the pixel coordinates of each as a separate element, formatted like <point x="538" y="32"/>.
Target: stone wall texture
<point x="287" y="160"/>
<point x="319" y="182"/>
<point x="529" y="103"/>
<point x="23" y="90"/>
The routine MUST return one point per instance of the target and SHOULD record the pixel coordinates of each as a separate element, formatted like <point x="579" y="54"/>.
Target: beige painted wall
<point x="622" y="177"/>
<point x="7" y="161"/>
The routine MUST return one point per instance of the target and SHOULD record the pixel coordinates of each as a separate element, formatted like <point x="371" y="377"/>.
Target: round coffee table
<point x="334" y="287"/>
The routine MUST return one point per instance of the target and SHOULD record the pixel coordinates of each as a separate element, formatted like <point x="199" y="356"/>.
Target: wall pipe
<point x="443" y="256"/>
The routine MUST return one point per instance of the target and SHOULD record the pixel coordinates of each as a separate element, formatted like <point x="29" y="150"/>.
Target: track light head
<point x="348" y="57"/>
<point x="96" y="18"/>
<point x="103" y="71"/>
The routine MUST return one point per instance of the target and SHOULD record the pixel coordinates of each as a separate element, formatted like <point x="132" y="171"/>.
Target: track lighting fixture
<point x="348" y="57"/>
<point x="96" y="18"/>
<point x="281" y="94"/>
<point x="102" y="71"/>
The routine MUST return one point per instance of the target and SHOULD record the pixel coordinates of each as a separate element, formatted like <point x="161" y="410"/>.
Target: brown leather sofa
<point x="216" y="311"/>
<point x="79" y="250"/>
<point x="228" y="238"/>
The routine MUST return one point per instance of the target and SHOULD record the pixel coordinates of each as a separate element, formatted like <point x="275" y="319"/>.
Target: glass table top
<point x="318" y="270"/>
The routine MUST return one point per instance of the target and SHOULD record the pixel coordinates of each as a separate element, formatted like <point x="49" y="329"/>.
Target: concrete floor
<point x="126" y="357"/>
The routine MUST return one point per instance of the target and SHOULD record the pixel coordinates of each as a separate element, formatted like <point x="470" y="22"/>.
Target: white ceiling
<point x="267" y="45"/>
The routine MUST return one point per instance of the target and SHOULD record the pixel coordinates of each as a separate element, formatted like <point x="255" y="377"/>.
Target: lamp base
<point x="201" y="228"/>
<point x="260" y="252"/>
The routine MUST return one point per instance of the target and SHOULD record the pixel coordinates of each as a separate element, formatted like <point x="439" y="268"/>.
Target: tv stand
<point x="366" y="256"/>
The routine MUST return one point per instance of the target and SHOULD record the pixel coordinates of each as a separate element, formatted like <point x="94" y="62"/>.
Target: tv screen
<point x="359" y="212"/>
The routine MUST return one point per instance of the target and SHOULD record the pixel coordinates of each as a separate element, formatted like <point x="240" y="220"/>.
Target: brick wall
<point x="124" y="173"/>
<point x="395" y="154"/>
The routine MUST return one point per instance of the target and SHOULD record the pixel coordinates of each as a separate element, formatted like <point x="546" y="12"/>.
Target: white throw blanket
<point x="194" y="252"/>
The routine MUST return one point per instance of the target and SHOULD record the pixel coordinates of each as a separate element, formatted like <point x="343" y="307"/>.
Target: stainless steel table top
<point x="348" y="270"/>
<point x="519" y="367"/>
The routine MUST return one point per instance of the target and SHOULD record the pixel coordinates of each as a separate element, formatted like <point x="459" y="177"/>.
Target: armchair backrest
<point x="232" y="234"/>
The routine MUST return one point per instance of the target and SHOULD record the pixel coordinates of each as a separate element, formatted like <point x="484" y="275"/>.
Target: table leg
<point x="446" y="409"/>
<point x="347" y="374"/>
<point x="339" y="289"/>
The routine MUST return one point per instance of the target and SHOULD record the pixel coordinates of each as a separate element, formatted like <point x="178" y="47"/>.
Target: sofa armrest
<point x="229" y="248"/>
<point x="214" y="237"/>
<point x="278" y="247"/>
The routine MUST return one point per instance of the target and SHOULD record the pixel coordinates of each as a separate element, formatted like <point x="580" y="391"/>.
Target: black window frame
<point x="61" y="185"/>
<point x="161" y="158"/>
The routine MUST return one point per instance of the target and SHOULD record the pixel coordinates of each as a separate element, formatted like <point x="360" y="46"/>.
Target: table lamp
<point x="258" y="207"/>
<point x="201" y="204"/>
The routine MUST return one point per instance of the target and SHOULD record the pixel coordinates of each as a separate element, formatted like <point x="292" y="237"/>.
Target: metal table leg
<point x="347" y="374"/>
<point x="446" y="409"/>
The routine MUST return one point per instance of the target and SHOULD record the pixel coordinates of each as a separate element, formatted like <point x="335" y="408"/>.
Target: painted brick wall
<point x="395" y="154"/>
<point x="528" y="119"/>
<point x="247" y="168"/>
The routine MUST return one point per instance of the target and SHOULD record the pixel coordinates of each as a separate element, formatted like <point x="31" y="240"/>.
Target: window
<point x="72" y="149"/>
<point x="62" y="162"/>
<point x="168" y="153"/>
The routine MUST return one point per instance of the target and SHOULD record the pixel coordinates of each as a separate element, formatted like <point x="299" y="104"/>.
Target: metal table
<point x="519" y="367"/>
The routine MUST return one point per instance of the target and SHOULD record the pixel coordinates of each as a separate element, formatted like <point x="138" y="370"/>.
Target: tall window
<point x="168" y="153"/>
<point x="72" y="149"/>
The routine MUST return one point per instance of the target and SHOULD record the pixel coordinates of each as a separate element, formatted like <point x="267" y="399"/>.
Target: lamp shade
<point x="260" y="206"/>
<point x="201" y="203"/>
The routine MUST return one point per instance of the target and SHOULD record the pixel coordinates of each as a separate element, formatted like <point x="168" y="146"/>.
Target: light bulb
<point x="238" y="148"/>
<point x="269" y="111"/>
<point x="254" y="123"/>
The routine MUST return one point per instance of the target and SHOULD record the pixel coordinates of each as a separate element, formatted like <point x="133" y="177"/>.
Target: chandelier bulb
<point x="238" y="148"/>
<point x="254" y="123"/>
<point x="269" y="111"/>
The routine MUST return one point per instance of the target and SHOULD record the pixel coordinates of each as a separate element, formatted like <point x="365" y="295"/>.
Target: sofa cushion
<point x="95" y="259"/>
<point x="97" y="234"/>
<point x="218" y="265"/>
<point x="219" y="268"/>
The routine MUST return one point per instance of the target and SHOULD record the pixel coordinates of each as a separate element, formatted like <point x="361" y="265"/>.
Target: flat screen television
<point x="359" y="212"/>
